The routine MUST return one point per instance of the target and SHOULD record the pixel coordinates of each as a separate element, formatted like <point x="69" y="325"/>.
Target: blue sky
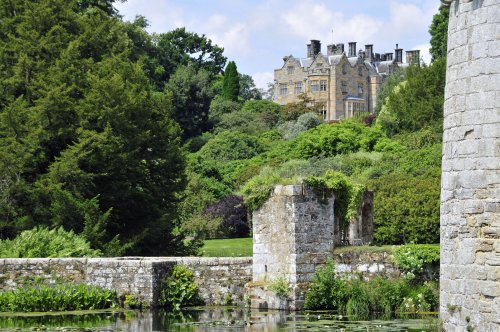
<point x="257" y="34"/>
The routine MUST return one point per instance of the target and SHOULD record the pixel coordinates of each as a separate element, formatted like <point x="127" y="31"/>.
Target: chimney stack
<point x="331" y="49"/>
<point x="413" y="57"/>
<point x="369" y="52"/>
<point x="314" y="48"/>
<point x="388" y="57"/>
<point x="398" y="54"/>
<point x="352" y="49"/>
<point x="340" y="49"/>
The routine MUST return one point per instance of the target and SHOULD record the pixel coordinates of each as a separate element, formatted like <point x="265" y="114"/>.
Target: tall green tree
<point x="231" y="84"/>
<point x="182" y="48"/>
<point x="439" y="33"/>
<point x="192" y="93"/>
<point x="84" y="143"/>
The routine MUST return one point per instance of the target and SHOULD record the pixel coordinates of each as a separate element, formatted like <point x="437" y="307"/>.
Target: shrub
<point x="406" y="208"/>
<point x="179" y="290"/>
<point x="412" y="259"/>
<point x="203" y="226"/>
<point x="306" y="121"/>
<point x="233" y="214"/>
<point x="280" y="287"/>
<point x="44" y="242"/>
<point x="361" y="298"/>
<point x="63" y="297"/>
<point x="327" y="291"/>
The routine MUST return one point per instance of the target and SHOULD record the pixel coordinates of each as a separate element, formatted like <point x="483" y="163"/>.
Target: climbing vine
<point x="348" y="196"/>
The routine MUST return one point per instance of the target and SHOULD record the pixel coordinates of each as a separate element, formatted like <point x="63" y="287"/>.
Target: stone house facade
<point x="344" y="84"/>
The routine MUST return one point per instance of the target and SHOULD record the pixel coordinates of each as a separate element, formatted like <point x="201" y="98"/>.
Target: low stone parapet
<point x="220" y="280"/>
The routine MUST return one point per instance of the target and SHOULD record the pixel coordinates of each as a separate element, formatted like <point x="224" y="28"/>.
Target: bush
<point x="327" y="291"/>
<point x="203" y="226"/>
<point x="328" y="140"/>
<point x="412" y="259"/>
<point x="361" y="298"/>
<point x="179" y="290"/>
<point x="306" y="121"/>
<point x="64" y="297"/>
<point x="280" y="287"/>
<point x="42" y="242"/>
<point x="406" y="208"/>
<point x="233" y="214"/>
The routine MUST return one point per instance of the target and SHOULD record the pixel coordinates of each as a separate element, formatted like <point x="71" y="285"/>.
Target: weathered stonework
<point x="293" y="234"/>
<point x="470" y="194"/>
<point x="220" y="280"/>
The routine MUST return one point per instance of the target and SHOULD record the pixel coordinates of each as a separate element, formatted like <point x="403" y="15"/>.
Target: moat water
<point x="207" y="319"/>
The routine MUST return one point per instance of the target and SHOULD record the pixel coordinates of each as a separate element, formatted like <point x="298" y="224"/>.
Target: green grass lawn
<point x="228" y="248"/>
<point x="243" y="248"/>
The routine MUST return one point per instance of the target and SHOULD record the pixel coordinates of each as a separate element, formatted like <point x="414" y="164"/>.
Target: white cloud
<point x="316" y="21"/>
<point x="161" y="14"/>
<point x="262" y="78"/>
<point x="233" y="37"/>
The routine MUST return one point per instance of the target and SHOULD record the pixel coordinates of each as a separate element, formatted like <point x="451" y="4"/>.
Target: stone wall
<point x="470" y="194"/>
<point x="220" y="280"/>
<point x="293" y="234"/>
<point x="366" y="264"/>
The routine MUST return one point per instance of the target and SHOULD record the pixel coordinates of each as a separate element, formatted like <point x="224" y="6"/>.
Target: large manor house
<point x="345" y="85"/>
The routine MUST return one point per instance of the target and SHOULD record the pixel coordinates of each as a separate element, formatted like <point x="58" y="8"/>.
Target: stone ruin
<point x="295" y="232"/>
<point x="470" y="184"/>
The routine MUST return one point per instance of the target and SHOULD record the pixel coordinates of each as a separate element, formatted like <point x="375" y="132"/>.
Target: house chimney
<point x="309" y="51"/>
<point x="340" y="49"/>
<point x="369" y="52"/>
<point x="352" y="49"/>
<point x="388" y="57"/>
<point x="398" y="54"/>
<point x="377" y="57"/>
<point x="331" y="49"/>
<point x="315" y="47"/>
<point x="413" y="57"/>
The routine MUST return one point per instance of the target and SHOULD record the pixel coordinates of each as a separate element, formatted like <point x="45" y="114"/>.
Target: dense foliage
<point x="85" y="140"/>
<point x="439" y="33"/>
<point x="360" y="299"/>
<point x="231" y="83"/>
<point x="179" y="290"/>
<point x="407" y="209"/>
<point x="42" y="242"/>
<point x="233" y="213"/>
<point x="64" y="297"/>
<point x="136" y="142"/>
<point x="413" y="259"/>
<point x="417" y="102"/>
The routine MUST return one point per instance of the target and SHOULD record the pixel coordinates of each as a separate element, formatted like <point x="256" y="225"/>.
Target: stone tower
<point x="470" y="193"/>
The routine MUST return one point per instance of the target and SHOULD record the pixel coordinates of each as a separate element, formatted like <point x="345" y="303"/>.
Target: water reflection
<point x="206" y="319"/>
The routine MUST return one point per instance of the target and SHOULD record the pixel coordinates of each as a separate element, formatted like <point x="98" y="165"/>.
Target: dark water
<point x="206" y="319"/>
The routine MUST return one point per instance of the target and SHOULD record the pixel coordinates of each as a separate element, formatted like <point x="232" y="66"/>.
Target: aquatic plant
<point x="61" y="297"/>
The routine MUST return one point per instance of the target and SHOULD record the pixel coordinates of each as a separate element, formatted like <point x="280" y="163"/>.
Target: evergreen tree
<point x="231" y="84"/>
<point x="84" y="143"/>
<point x="439" y="33"/>
<point x="192" y="93"/>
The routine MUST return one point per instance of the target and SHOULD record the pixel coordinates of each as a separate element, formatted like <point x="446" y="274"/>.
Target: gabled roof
<point x="353" y="61"/>
<point x="383" y="66"/>
<point x="335" y="59"/>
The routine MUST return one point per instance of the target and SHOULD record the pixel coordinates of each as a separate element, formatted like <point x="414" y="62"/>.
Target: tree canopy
<point x="439" y="33"/>
<point x="231" y="83"/>
<point x="84" y="143"/>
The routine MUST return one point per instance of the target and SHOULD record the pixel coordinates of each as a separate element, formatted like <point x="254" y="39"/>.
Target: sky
<point x="257" y="34"/>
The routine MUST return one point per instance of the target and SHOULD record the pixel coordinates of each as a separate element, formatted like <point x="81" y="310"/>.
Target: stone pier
<point x="293" y="234"/>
